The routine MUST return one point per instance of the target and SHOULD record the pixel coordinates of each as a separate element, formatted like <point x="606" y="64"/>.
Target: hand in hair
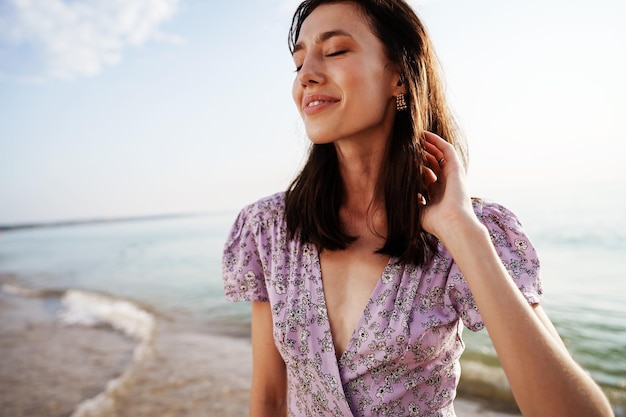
<point x="448" y="202"/>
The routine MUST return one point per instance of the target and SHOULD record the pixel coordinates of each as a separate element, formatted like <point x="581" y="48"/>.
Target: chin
<point x="321" y="138"/>
<point x="320" y="142"/>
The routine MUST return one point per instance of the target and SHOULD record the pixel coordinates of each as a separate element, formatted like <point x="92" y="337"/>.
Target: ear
<point x="400" y="84"/>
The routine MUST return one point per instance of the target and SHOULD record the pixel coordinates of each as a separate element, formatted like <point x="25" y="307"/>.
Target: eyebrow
<point x="322" y="38"/>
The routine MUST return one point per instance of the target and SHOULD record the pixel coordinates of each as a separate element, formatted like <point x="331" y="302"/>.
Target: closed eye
<point x="332" y="54"/>
<point x="337" y="53"/>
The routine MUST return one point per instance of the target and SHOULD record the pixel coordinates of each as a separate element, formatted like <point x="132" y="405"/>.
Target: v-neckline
<point x="359" y="322"/>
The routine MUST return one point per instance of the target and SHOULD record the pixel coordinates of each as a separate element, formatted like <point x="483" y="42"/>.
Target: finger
<point x="433" y="162"/>
<point x="432" y="150"/>
<point x="437" y="157"/>
<point x="445" y="152"/>
<point x="436" y="141"/>
<point x="434" y="158"/>
<point x="430" y="177"/>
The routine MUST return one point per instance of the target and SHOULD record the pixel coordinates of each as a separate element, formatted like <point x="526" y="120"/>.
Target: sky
<point x="115" y="108"/>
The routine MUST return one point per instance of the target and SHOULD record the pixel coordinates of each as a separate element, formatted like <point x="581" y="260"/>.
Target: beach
<point x="51" y="369"/>
<point x="129" y="318"/>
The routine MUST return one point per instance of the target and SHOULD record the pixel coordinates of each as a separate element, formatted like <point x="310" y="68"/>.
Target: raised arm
<point x="544" y="378"/>
<point x="268" y="392"/>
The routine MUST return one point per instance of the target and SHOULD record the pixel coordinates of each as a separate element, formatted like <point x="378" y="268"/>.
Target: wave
<point x="482" y="380"/>
<point x="486" y="381"/>
<point x="91" y="309"/>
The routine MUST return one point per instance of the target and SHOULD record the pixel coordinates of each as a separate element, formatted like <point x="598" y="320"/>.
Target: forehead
<point x="346" y="16"/>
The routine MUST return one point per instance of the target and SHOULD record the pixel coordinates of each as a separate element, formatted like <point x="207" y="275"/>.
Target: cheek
<point x="369" y="84"/>
<point x="376" y="89"/>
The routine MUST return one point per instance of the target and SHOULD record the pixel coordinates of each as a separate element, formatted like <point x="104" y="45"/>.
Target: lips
<point x="313" y="103"/>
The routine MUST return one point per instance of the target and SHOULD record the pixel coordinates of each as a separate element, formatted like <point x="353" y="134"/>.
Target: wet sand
<point x="41" y="374"/>
<point x="48" y="369"/>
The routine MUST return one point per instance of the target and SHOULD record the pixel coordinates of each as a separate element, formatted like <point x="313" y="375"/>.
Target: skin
<point x="358" y="124"/>
<point x="358" y="121"/>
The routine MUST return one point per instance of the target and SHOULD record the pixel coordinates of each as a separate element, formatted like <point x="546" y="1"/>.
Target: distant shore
<point x="78" y="222"/>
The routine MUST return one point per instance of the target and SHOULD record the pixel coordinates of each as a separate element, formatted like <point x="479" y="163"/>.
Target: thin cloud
<point x="77" y="38"/>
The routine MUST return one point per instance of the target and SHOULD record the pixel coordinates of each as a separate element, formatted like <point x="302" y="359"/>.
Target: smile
<point x="316" y="103"/>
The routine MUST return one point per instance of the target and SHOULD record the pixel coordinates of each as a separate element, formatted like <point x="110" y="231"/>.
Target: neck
<point x="359" y="165"/>
<point x="359" y="169"/>
<point x="360" y="158"/>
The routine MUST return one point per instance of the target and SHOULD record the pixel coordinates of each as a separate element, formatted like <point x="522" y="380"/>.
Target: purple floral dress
<point x="403" y="357"/>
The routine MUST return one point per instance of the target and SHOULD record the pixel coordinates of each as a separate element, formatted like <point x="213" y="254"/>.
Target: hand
<point x="448" y="201"/>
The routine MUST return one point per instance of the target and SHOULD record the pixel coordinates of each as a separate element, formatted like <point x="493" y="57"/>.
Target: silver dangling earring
<point x="401" y="102"/>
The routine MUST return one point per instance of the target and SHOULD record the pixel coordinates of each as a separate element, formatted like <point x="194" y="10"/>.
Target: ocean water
<point x="126" y="274"/>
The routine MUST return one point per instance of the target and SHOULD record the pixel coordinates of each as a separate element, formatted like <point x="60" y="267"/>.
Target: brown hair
<point x="314" y="197"/>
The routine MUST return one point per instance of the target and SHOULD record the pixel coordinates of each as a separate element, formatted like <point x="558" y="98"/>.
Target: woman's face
<point x="345" y="83"/>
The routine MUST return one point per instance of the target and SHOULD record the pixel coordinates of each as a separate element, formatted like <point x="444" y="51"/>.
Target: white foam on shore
<point x="90" y="309"/>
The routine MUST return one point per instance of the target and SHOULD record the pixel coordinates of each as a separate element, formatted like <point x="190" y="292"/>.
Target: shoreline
<point x="11" y="227"/>
<point x="55" y="370"/>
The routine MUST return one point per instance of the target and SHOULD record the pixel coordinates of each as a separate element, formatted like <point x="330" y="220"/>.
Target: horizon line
<point x="96" y="220"/>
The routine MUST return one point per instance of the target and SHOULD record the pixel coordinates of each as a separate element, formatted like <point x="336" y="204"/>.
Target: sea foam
<point x="90" y="309"/>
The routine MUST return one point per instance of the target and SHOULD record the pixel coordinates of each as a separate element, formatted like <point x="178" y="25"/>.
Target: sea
<point x="127" y="274"/>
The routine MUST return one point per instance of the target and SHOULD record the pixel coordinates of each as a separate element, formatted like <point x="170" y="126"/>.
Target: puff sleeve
<point x="242" y="267"/>
<point x="516" y="252"/>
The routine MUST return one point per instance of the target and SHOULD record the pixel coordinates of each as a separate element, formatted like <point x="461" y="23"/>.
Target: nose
<point x="311" y="71"/>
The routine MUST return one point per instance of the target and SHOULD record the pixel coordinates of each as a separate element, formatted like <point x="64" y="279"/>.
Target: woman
<point x="363" y="272"/>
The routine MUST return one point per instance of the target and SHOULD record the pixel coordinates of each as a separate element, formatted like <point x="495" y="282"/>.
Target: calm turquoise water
<point x="580" y="235"/>
<point x="173" y="266"/>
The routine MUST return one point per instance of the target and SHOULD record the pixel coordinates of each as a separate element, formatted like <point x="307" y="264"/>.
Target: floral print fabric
<point x="403" y="357"/>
